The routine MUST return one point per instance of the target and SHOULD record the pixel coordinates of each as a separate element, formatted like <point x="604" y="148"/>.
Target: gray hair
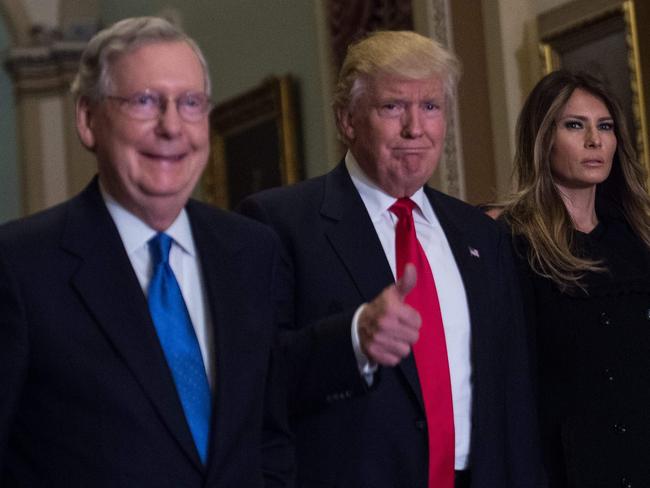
<point x="93" y="79"/>
<point x="405" y="54"/>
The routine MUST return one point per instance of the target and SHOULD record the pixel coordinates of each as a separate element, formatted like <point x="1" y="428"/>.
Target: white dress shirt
<point x="449" y="285"/>
<point x="184" y="261"/>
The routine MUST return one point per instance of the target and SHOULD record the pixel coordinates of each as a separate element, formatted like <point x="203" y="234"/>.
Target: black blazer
<point x="347" y="436"/>
<point x="592" y="351"/>
<point x="86" y="396"/>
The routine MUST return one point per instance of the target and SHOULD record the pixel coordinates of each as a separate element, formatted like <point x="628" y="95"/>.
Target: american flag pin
<point x="474" y="252"/>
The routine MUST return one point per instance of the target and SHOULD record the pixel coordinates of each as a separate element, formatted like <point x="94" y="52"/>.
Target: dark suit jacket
<point x="593" y="360"/>
<point x="87" y="399"/>
<point x="347" y="437"/>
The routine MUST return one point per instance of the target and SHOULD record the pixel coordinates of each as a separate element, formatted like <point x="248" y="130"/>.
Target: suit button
<point x="647" y="314"/>
<point x="420" y="424"/>
<point x="609" y="375"/>
<point x="620" y="428"/>
<point x="626" y="482"/>
<point x="605" y="320"/>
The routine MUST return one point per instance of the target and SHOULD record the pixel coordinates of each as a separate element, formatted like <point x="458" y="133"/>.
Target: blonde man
<point x="410" y="357"/>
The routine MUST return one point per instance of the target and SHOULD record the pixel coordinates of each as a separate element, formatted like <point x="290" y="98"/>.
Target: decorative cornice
<point x="450" y="169"/>
<point x="44" y="68"/>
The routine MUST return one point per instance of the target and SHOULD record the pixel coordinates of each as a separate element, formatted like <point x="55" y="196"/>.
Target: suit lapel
<point x="354" y="239"/>
<point x="106" y="282"/>
<point x="218" y="252"/>
<point x="352" y="235"/>
<point x="468" y="259"/>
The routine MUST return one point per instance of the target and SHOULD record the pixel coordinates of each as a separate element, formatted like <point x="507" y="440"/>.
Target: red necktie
<point x="430" y="350"/>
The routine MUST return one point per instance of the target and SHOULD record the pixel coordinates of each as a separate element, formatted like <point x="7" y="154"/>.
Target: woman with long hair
<point x="580" y="220"/>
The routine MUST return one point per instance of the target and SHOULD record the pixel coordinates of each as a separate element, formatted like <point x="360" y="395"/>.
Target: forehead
<point x="394" y="86"/>
<point x="582" y="102"/>
<point x="158" y="65"/>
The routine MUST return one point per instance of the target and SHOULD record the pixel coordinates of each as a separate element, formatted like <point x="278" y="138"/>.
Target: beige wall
<point x="473" y="104"/>
<point x="507" y="31"/>
<point x="513" y="69"/>
<point x="539" y="6"/>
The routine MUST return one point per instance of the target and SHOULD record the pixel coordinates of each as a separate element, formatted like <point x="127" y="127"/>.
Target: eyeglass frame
<point x="162" y="104"/>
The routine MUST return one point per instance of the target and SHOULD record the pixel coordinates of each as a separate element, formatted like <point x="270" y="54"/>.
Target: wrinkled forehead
<point x="400" y="87"/>
<point x="157" y="62"/>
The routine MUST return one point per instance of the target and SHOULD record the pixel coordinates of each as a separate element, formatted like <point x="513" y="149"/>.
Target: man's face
<point x="148" y="166"/>
<point x="396" y="131"/>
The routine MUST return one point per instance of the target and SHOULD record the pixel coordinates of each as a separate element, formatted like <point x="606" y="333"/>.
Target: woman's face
<point x="584" y="143"/>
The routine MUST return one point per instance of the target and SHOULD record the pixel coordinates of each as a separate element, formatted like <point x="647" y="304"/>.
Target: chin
<point x="164" y="189"/>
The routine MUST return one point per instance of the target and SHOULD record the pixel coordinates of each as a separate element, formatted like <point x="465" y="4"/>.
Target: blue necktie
<point x="179" y="343"/>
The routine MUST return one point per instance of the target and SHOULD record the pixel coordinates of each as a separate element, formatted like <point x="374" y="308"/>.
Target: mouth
<point x="593" y="162"/>
<point x="411" y="150"/>
<point x="164" y="157"/>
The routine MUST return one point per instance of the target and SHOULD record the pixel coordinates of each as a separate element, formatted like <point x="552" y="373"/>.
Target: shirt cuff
<point x="366" y="367"/>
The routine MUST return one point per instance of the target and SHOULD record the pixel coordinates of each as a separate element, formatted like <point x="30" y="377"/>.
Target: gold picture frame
<point x="604" y="37"/>
<point x="253" y="143"/>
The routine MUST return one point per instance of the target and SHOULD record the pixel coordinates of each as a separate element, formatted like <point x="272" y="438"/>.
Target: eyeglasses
<point x="148" y="105"/>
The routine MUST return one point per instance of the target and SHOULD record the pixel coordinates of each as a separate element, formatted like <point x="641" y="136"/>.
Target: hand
<point x="388" y="327"/>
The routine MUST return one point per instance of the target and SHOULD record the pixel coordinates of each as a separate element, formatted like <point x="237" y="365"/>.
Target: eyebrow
<point x="583" y="117"/>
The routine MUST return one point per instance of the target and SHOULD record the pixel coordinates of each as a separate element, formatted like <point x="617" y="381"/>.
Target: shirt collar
<point x="135" y="233"/>
<point x="376" y="200"/>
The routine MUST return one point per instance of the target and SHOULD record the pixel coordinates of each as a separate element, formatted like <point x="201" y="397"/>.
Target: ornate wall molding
<point x="41" y="69"/>
<point x="434" y="20"/>
<point x="42" y="62"/>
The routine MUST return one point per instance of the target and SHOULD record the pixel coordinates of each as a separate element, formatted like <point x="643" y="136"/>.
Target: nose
<point x="169" y="120"/>
<point x="593" y="138"/>
<point x="411" y="123"/>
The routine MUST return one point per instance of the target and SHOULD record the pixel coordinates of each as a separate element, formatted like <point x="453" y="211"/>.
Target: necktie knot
<point x="403" y="207"/>
<point x="403" y="210"/>
<point x="159" y="247"/>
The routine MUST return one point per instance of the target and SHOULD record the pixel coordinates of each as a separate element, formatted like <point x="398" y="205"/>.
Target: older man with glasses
<point x="136" y="324"/>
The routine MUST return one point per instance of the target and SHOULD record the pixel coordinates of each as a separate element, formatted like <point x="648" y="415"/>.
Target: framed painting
<point x="605" y="38"/>
<point x="253" y="143"/>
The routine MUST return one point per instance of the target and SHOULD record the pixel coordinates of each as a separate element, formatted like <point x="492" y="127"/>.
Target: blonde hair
<point x="536" y="210"/>
<point x="405" y="54"/>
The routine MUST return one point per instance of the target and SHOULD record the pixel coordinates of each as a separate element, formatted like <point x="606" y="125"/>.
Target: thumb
<point x="406" y="283"/>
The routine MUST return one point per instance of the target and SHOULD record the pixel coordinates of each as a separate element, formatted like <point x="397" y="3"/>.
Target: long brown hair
<point x="536" y="210"/>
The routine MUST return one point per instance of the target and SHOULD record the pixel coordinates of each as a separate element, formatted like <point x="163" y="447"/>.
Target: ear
<point x="346" y="126"/>
<point x="85" y="122"/>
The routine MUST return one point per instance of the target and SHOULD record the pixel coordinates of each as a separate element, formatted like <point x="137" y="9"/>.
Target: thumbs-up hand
<point x="388" y="327"/>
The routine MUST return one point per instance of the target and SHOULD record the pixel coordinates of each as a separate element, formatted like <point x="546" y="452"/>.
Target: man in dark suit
<point x="400" y="380"/>
<point x="135" y="324"/>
